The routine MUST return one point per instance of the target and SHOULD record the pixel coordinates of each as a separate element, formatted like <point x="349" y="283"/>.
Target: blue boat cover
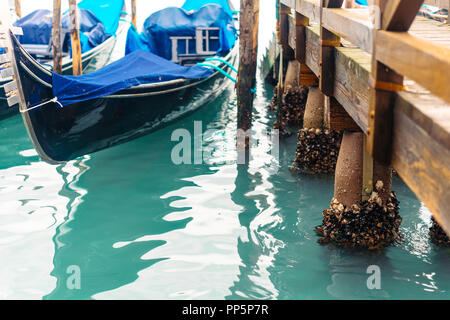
<point x="362" y="2"/>
<point x="107" y="11"/>
<point x="98" y="21"/>
<point x="172" y="21"/>
<point x="137" y="68"/>
<point x="194" y="5"/>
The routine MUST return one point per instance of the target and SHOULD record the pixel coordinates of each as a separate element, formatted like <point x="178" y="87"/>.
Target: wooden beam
<point x="421" y="153"/>
<point x="248" y="47"/>
<point x="328" y="40"/>
<point x="133" y="13"/>
<point x="337" y="118"/>
<point x="396" y="15"/>
<point x="75" y="38"/>
<point x="352" y="25"/>
<point x="18" y="8"/>
<point x="56" y="37"/>
<point x="283" y="20"/>
<point x="426" y="63"/>
<point x="309" y="8"/>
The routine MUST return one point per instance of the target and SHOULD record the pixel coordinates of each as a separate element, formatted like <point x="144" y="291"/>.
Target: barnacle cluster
<point x="438" y="235"/>
<point x="292" y="109"/>
<point x="371" y="224"/>
<point x="317" y="150"/>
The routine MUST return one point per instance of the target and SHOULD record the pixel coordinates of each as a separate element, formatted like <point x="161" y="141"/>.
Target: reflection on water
<point x="139" y="226"/>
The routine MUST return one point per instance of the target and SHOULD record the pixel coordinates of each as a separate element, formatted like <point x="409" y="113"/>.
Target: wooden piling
<point x="75" y="38"/>
<point x="133" y="13"/>
<point x="56" y="37"/>
<point x="248" y="42"/>
<point x="18" y="8"/>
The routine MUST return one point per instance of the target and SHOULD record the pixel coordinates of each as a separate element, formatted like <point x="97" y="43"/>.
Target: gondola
<point x="92" y="60"/>
<point x="64" y="133"/>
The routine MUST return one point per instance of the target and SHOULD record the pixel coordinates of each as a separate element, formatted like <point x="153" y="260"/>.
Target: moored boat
<point x="67" y="117"/>
<point x="110" y="13"/>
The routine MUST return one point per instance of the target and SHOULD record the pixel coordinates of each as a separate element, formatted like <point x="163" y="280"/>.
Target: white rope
<point x="54" y="100"/>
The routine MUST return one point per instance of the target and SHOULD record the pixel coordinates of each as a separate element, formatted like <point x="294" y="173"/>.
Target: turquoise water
<point x="140" y="227"/>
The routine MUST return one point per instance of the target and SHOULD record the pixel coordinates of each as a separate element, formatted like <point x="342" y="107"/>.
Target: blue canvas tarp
<point x="362" y="2"/>
<point x="194" y="5"/>
<point x="172" y="22"/>
<point x="98" y="21"/>
<point x="134" y="69"/>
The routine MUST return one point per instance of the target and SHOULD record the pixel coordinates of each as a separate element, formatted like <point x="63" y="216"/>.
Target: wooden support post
<point x="307" y="77"/>
<point x="75" y="38"/>
<point x="328" y="41"/>
<point x="367" y="181"/>
<point x="56" y="37"/>
<point x="18" y="8"/>
<point x="314" y="109"/>
<point x="284" y="11"/>
<point x="396" y="15"/>
<point x="248" y="47"/>
<point x="348" y="176"/>
<point x="133" y="13"/>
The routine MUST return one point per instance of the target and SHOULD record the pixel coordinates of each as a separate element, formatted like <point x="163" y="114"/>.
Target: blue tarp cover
<point x="134" y="69"/>
<point x="107" y="11"/>
<point x="197" y="4"/>
<point x="362" y="2"/>
<point x="172" y="21"/>
<point x="99" y="20"/>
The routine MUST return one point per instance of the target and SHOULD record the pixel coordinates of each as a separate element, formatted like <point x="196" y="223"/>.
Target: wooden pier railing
<point x="393" y="81"/>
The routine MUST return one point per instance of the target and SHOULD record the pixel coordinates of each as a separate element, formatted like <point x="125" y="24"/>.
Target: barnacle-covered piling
<point x="438" y="235"/>
<point x="317" y="148"/>
<point x="373" y="223"/>
<point x="317" y="151"/>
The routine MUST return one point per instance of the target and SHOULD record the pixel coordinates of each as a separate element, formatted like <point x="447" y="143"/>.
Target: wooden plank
<point x="288" y="3"/>
<point x="56" y="37"/>
<point x="352" y="25"/>
<point x="422" y="61"/>
<point x="312" y="48"/>
<point x="336" y="118"/>
<point x="420" y="158"/>
<point x="309" y="8"/>
<point x="75" y="38"/>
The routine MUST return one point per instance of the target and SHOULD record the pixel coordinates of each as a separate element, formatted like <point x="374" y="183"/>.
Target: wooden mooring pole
<point x="56" y="37"/>
<point x="18" y="8"/>
<point x="75" y="38"/>
<point x="248" y="42"/>
<point x="133" y="13"/>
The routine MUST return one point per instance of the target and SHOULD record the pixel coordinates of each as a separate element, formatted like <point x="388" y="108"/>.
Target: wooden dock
<point x="393" y="82"/>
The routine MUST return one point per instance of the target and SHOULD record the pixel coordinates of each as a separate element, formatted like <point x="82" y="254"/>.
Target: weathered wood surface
<point x="18" y="8"/>
<point x="248" y="48"/>
<point x="421" y="121"/>
<point x="133" y="13"/>
<point x="56" y="37"/>
<point x="75" y="38"/>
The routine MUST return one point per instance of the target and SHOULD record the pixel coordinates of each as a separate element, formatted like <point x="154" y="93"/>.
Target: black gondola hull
<point x="62" y="134"/>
